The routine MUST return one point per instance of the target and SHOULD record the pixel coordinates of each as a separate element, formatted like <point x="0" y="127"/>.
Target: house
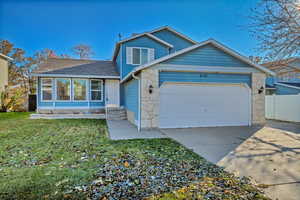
<point x="4" y="62"/>
<point x="287" y="80"/>
<point x="285" y="69"/>
<point x="163" y="79"/>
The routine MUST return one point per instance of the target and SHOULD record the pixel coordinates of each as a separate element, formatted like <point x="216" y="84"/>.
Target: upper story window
<point x="46" y="89"/>
<point x="63" y="89"/>
<point x="139" y="55"/>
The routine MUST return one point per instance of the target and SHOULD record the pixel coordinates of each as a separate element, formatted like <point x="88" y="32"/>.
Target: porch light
<point x="150" y="89"/>
<point x="261" y="89"/>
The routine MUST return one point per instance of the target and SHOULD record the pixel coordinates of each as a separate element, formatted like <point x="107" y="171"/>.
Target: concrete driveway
<point x="211" y="143"/>
<point x="269" y="154"/>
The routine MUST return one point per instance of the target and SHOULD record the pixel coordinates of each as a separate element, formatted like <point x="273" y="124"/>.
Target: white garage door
<point x="204" y="105"/>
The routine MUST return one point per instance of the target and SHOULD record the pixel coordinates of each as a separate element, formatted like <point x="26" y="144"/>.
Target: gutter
<point x="139" y="100"/>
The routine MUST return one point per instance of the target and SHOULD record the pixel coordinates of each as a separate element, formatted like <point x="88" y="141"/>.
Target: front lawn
<point x="74" y="159"/>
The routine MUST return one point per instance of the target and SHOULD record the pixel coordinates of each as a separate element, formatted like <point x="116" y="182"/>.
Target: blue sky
<point x="59" y="25"/>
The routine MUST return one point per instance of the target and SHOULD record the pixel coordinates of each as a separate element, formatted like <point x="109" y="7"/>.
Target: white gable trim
<point x="210" y="41"/>
<point x="137" y="36"/>
<point x="149" y="35"/>
<point x="6" y="57"/>
<point x="289" y="86"/>
<point x="175" y="32"/>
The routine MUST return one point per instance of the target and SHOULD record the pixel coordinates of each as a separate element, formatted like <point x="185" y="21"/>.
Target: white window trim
<point x="70" y="99"/>
<point x="42" y="97"/>
<point x="140" y="48"/>
<point x="102" y="88"/>
<point x="86" y="92"/>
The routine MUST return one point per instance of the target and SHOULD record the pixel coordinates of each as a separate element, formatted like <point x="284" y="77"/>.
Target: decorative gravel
<point x="129" y="177"/>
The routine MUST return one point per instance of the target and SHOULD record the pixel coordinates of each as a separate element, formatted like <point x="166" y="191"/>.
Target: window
<point x="63" y="89"/>
<point x="79" y="89"/>
<point x="139" y="55"/>
<point x="46" y="89"/>
<point x="96" y="90"/>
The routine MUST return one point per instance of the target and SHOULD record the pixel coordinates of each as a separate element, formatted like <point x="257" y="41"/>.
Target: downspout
<point x="139" y="100"/>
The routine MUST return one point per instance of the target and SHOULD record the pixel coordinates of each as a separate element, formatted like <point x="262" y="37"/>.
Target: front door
<point x="112" y="91"/>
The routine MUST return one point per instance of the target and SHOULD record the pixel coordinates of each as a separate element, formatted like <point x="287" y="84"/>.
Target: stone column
<point x="149" y="102"/>
<point x="258" y="100"/>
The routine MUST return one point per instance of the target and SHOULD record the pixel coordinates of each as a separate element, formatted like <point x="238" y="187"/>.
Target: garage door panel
<point x="197" y="105"/>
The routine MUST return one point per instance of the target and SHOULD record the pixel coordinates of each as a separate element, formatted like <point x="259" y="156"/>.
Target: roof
<point x="6" y="57"/>
<point x="268" y="86"/>
<point x="77" y="68"/>
<point x="188" y="49"/>
<point x="281" y="63"/>
<point x="291" y="84"/>
<point x="149" y="34"/>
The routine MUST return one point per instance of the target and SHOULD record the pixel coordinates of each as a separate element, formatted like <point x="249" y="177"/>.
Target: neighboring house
<point x="285" y="69"/>
<point x="287" y="80"/>
<point x="4" y="62"/>
<point x="163" y="79"/>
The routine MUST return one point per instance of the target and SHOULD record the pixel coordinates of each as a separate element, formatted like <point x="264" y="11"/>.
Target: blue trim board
<point x="199" y="77"/>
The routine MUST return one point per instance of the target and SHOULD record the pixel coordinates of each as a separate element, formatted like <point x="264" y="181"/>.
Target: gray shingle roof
<point x="77" y="67"/>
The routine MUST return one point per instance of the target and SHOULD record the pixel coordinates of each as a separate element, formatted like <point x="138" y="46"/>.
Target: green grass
<point x="44" y="158"/>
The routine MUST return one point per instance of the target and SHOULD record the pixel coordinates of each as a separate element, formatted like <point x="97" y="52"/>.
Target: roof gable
<point x="175" y="32"/>
<point x="186" y="50"/>
<point x="177" y="41"/>
<point x="152" y="37"/>
<point x="207" y="55"/>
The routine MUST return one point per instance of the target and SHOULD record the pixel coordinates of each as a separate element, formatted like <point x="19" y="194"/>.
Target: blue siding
<point x="131" y="95"/>
<point x="118" y="61"/>
<point x="144" y="41"/>
<point x="207" y="55"/>
<point x="282" y="90"/>
<point x="203" y="77"/>
<point x="178" y="42"/>
<point x="71" y="103"/>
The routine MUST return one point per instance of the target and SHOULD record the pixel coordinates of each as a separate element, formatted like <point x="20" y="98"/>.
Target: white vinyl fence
<point x="283" y="107"/>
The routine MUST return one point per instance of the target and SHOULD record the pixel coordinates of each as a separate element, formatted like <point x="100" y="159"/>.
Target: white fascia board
<point x="175" y="32"/>
<point x="74" y="76"/>
<point x="286" y="85"/>
<point x="6" y="57"/>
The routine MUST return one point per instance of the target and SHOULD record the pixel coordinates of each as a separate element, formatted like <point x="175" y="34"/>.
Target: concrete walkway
<point x="123" y="130"/>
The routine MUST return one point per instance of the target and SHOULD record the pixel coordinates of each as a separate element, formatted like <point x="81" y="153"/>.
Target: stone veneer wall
<point x="149" y="102"/>
<point x="130" y="117"/>
<point x="258" y="100"/>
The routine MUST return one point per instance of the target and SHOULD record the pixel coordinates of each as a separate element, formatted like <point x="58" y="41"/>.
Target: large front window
<point x="79" y="89"/>
<point x="46" y="89"/>
<point x="63" y="89"/>
<point x="96" y="90"/>
<point x="140" y="56"/>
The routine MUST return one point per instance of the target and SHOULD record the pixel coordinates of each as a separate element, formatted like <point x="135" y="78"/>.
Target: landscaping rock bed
<point x="129" y="177"/>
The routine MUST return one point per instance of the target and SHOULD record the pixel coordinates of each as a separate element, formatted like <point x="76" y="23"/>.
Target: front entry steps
<point x="115" y="113"/>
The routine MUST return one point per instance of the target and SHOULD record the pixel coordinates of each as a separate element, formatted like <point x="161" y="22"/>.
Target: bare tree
<point x="276" y="25"/>
<point x="83" y="51"/>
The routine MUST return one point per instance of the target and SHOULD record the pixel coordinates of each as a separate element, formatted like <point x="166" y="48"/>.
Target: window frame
<point x="42" y="96"/>
<point x="102" y="92"/>
<point x="73" y="90"/>
<point x="140" y="49"/>
<point x="58" y="100"/>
